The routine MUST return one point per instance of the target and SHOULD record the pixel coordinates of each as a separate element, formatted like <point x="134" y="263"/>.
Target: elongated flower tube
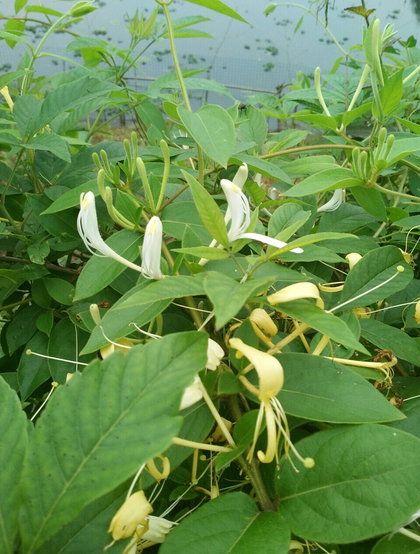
<point x="241" y="217"/>
<point x="296" y="291"/>
<point x="132" y="513"/>
<point x="87" y="226"/>
<point x="241" y="176"/>
<point x="152" y="246"/>
<point x="6" y="95"/>
<point x="334" y="203"/>
<point x="262" y="323"/>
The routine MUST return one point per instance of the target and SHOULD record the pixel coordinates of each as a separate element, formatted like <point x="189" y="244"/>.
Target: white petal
<point x="334" y="203"/>
<point x="152" y="247"/>
<point x="87" y="226"/>
<point x="214" y="354"/>
<point x="159" y="527"/>
<point x="269" y="240"/>
<point x="192" y="394"/>
<point x="239" y="209"/>
<point x="241" y="176"/>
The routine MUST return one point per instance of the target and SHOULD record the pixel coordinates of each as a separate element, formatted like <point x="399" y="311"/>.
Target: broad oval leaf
<point x="330" y="179"/>
<point x="230" y="524"/>
<point x="319" y="389"/>
<point x="98" y="429"/>
<point x="212" y="128"/>
<point x="366" y="482"/>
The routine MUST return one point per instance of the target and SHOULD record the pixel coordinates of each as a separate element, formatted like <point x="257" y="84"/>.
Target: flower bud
<point x="132" y="513"/>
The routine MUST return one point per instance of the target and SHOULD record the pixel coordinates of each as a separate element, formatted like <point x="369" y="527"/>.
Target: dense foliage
<point x="210" y="332"/>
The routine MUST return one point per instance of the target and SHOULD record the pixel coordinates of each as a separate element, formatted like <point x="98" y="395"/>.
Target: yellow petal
<point x="297" y="291"/>
<point x="133" y="512"/>
<point x="353" y="258"/>
<point x="261" y="318"/>
<point x="120" y="344"/>
<point x="417" y="313"/>
<point x="269" y="369"/>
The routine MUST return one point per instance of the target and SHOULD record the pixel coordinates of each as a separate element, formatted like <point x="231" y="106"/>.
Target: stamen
<point x="111" y="341"/>
<point x="151" y="335"/>
<point x="30" y="352"/>
<point x="54" y="385"/>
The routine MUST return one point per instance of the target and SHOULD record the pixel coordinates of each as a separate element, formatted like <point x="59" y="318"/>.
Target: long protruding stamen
<point x="30" y="352"/>
<point x="54" y="385"/>
<point x="111" y="341"/>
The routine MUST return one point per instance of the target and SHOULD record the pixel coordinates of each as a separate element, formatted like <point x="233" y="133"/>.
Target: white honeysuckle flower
<point x="353" y="258"/>
<point x="87" y="226"/>
<point x="159" y="527"/>
<point x="152" y="247"/>
<point x="214" y="354"/>
<point x="192" y="394"/>
<point x="241" y="217"/>
<point x="334" y="203"/>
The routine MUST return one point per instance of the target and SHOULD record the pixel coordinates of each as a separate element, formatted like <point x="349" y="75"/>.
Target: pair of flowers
<point x="238" y="214"/>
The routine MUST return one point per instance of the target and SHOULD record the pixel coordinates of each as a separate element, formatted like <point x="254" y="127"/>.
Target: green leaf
<point x="408" y="222"/>
<point x="329" y="179"/>
<point x="267" y="169"/>
<point x="51" y="143"/>
<point x="228" y="296"/>
<point x="321" y="321"/>
<point x="204" y="252"/>
<point x="32" y="370"/>
<point x="71" y="198"/>
<point x="286" y="220"/>
<point x="309" y="239"/>
<point x="9" y="77"/>
<point x="323" y="390"/>
<point x="60" y="290"/>
<point x="209" y="211"/>
<point x="212" y="129"/>
<point x="141" y="305"/>
<point x="195" y="83"/>
<point x="19" y="4"/>
<point x="98" y="273"/>
<point x="309" y="165"/>
<point x="411" y="410"/>
<point x="45" y="322"/>
<point x="390" y="338"/>
<point x="372" y="271"/>
<point x="97" y="430"/>
<point x="22" y="327"/>
<point x="15" y="27"/>
<point x="230" y="524"/>
<point x="404" y="145"/>
<point x="38" y="252"/>
<point x="13" y="438"/>
<point x="66" y="97"/>
<point x="220" y="7"/>
<point x="178" y="216"/>
<point x="358" y="472"/>
<point x="396" y="543"/>
<point x="321" y="120"/>
<point x="252" y="127"/>
<point x="390" y="94"/>
<point x="371" y="201"/>
<point x="44" y="10"/>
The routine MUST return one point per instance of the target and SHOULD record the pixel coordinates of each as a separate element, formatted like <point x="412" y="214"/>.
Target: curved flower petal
<point x="269" y="240"/>
<point x="239" y="209"/>
<point x="87" y="226"/>
<point x="192" y="394"/>
<point x="269" y="369"/>
<point x="296" y="292"/>
<point x="214" y="354"/>
<point x="132" y="513"/>
<point x="334" y="203"/>
<point x="261" y="318"/>
<point x="241" y="176"/>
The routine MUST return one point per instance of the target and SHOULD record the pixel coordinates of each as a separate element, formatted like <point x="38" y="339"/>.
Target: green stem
<point x="10" y="306"/>
<point x="395" y="193"/>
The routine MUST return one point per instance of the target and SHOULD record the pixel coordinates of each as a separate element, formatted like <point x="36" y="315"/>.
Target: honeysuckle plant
<point x="210" y="329"/>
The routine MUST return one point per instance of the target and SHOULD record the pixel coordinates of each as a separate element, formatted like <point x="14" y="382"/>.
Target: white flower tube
<point x="334" y="203"/>
<point x="152" y="247"/>
<point x="241" y="217"/>
<point x="87" y="226"/>
<point x="214" y="354"/>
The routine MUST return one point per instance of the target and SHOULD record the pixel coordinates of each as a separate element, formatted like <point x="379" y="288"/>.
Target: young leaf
<point x="220" y="7"/>
<point x="212" y="129"/>
<point x="209" y="211"/>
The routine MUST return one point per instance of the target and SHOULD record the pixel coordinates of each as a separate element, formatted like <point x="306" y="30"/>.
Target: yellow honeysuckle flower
<point x="218" y="435"/>
<point x="353" y="258"/>
<point x="121" y="344"/>
<point x="297" y="291"/>
<point x="417" y="312"/>
<point x="260" y="318"/>
<point x="271" y="380"/>
<point x="153" y="470"/>
<point x="132" y="513"/>
<point x="362" y="313"/>
<point x="6" y="95"/>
